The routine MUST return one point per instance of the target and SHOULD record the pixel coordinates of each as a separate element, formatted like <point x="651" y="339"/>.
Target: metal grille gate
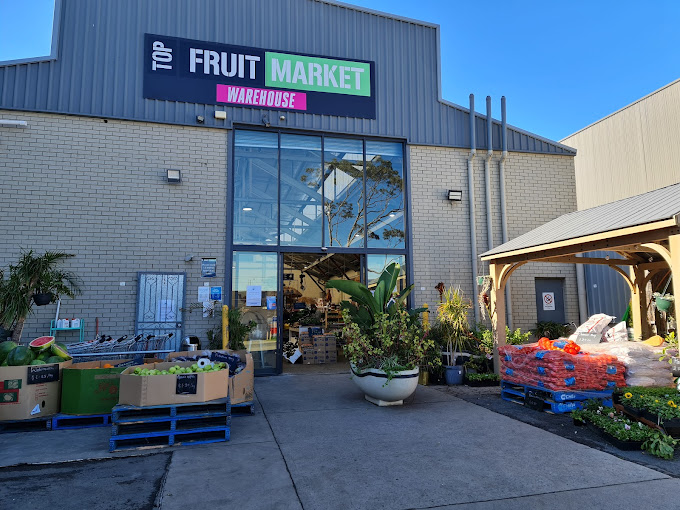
<point x="160" y="300"/>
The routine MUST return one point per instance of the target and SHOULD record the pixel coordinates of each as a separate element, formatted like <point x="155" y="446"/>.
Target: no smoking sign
<point x="548" y="300"/>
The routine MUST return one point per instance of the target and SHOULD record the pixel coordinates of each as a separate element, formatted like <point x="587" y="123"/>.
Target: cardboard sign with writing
<point x="39" y="374"/>
<point x="186" y="384"/>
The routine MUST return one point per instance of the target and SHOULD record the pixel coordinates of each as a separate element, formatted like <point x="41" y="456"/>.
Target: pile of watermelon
<point x="41" y="351"/>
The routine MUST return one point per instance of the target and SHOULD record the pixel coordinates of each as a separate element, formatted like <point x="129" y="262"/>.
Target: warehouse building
<point x="221" y="151"/>
<point x="631" y="151"/>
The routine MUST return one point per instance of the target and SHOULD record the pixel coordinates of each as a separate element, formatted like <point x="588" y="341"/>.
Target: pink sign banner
<point x="261" y="97"/>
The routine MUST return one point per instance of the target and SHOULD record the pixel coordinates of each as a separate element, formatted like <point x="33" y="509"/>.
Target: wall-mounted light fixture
<point x="13" y="123"/>
<point x="455" y="195"/>
<point x="188" y="258"/>
<point x="200" y="119"/>
<point x="220" y="115"/>
<point x="174" y="176"/>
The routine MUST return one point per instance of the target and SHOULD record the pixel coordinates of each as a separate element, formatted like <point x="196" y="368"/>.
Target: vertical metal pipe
<point x="504" y="212"/>
<point x="471" y="199"/>
<point x="487" y="173"/>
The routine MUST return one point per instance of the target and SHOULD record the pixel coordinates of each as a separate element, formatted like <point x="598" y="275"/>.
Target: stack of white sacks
<point x="643" y="366"/>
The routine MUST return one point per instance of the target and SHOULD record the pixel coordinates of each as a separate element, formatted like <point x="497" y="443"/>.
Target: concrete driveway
<point x="315" y="443"/>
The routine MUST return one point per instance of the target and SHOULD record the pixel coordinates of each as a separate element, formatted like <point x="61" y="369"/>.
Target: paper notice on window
<point x="254" y="295"/>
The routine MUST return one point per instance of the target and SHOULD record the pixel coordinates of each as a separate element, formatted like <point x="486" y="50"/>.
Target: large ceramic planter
<point x="378" y="390"/>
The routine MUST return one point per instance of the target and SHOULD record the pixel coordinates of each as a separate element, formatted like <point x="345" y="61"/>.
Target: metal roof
<point x="657" y="205"/>
<point x="98" y="69"/>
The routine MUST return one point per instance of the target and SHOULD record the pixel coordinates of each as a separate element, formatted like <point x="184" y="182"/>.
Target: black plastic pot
<point x="621" y="445"/>
<point x="43" y="299"/>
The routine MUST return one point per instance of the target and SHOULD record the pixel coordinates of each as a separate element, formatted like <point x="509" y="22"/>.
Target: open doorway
<point x="312" y="317"/>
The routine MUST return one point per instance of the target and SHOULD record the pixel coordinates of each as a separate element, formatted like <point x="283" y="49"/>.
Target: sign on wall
<point x="203" y="72"/>
<point x="548" y="301"/>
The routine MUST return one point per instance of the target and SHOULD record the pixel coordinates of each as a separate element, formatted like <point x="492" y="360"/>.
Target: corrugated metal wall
<point x="100" y="62"/>
<point x="607" y="291"/>
<point x="635" y="150"/>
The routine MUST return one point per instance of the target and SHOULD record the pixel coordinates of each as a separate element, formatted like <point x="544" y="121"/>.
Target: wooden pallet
<point x="171" y="425"/>
<point x="554" y="402"/>
<point x="36" y="424"/>
<point x="243" y="409"/>
<point x="73" y="421"/>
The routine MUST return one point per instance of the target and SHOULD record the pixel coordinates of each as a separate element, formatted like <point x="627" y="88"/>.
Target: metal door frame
<point x="180" y="307"/>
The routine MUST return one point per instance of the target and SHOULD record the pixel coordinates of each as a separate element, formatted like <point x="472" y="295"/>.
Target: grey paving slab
<point x="422" y="455"/>
<point x="295" y="393"/>
<point x="131" y="483"/>
<point x="247" y="476"/>
<point x="49" y="446"/>
<point x="657" y="494"/>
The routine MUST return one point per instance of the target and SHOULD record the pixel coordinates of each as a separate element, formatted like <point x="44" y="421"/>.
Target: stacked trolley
<point x="108" y="348"/>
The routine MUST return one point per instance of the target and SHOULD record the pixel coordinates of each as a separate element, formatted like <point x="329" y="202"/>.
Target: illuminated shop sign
<point x="202" y="72"/>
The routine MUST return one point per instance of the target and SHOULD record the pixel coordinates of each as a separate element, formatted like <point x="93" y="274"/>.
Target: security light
<point x="174" y="176"/>
<point x="455" y="195"/>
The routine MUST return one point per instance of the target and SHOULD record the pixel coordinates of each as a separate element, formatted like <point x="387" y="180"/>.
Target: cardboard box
<point x="24" y="395"/>
<point x="158" y="390"/>
<point x="88" y="388"/>
<point x="241" y="385"/>
<point x="325" y="342"/>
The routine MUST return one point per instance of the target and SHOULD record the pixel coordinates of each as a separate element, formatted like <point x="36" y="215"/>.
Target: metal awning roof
<point x="645" y="209"/>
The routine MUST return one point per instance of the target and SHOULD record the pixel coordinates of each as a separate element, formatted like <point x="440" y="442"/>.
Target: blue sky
<point x="25" y="28"/>
<point x="561" y="65"/>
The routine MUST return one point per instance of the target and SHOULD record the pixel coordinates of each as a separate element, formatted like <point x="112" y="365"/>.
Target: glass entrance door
<point x="255" y="287"/>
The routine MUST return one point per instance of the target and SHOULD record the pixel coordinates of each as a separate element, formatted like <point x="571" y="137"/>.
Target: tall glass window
<point x="301" y="199"/>
<point x="256" y="184"/>
<point x="385" y="195"/>
<point x="344" y="192"/>
<point x="375" y="264"/>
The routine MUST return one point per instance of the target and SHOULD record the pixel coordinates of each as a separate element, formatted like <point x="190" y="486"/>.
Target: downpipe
<point x="504" y="211"/>
<point x="471" y="199"/>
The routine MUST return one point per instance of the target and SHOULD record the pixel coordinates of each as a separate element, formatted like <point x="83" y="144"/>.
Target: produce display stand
<point x="170" y="425"/>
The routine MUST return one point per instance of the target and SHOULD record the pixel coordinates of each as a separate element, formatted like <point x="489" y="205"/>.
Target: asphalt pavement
<point x="315" y="443"/>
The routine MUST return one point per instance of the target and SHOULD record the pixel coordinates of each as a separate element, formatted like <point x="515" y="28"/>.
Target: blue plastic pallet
<point x="243" y="409"/>
<point x="73" y="421"/>
<point x="35" y="424"/>
<point x="556" y="402"/>
<point x="557" y="395"/>
<point x="170" y="425"/>
<point x="176" y="438"/>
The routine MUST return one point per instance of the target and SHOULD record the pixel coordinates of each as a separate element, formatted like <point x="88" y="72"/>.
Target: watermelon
<point x="59" y="351"/>
<point x="37" y="362"/>
<point x="20" y="355"/>
<point x="5" y="347"/>
<point x="54" y="359"/>
<point x="63" y="346"/>
<point x="45" y="355"/>
<point x="42" y="343"/>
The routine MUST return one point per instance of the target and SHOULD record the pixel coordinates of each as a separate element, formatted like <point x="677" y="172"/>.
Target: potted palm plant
<point x="385" y="342"/>
<point x="453" y="320"/>
<point x="35" y="279"/>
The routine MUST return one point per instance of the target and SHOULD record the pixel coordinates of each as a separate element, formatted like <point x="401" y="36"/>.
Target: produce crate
<point x="555" y="402"/>
<point x="170" y="425"/>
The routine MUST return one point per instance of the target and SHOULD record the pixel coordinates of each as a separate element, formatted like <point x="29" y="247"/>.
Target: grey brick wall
<point x="98" y="189"/>
<point x="539" y="188"/>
